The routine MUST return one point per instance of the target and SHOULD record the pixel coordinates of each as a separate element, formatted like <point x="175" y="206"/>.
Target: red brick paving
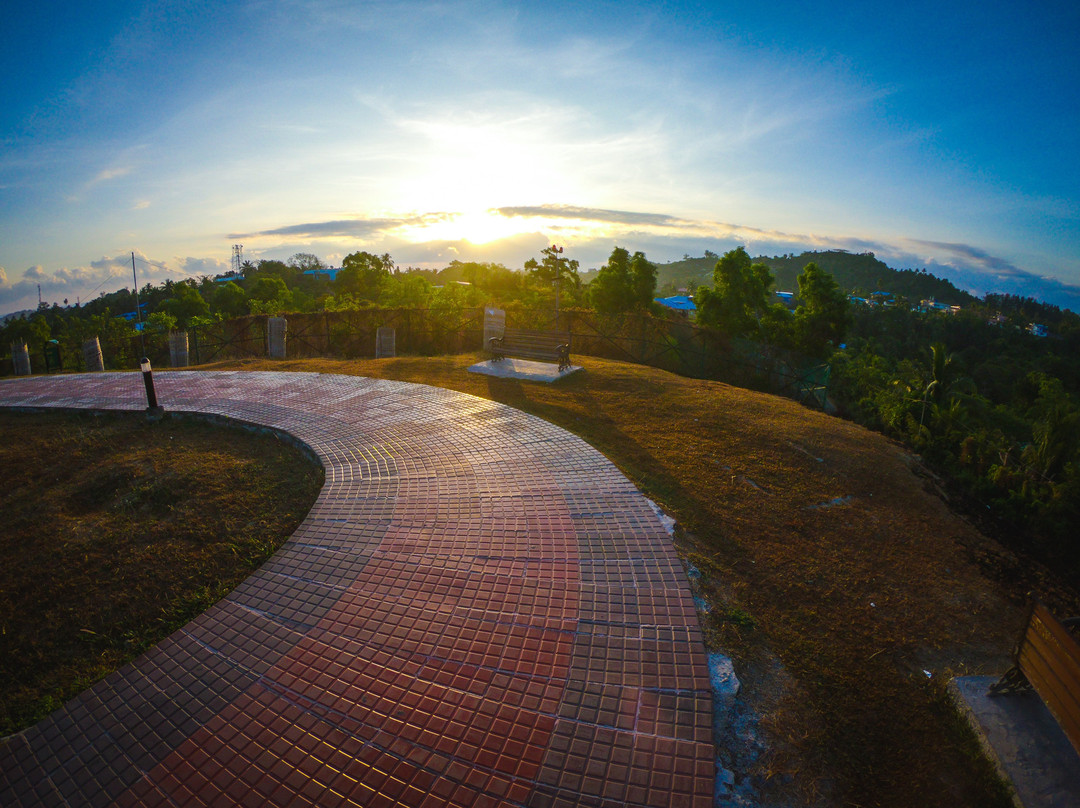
<point x="479" y="610"/>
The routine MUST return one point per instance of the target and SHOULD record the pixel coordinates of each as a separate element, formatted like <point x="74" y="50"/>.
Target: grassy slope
<point x="823" y="550"/>
<point x="116" y="531"/>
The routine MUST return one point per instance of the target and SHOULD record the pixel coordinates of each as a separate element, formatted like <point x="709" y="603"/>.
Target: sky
<point x="936" y="135"/>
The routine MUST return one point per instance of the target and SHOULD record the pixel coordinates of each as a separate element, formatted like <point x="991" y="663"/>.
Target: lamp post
<point x="555" y="253"/>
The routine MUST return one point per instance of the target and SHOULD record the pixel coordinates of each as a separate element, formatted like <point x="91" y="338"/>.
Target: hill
<point x="857" y="273"/>
<point x="834" y="574"/>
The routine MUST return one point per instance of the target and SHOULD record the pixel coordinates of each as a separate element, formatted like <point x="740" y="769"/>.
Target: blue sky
<point x="936" y="135"/>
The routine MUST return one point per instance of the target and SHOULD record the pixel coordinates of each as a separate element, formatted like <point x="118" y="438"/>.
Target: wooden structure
<point x="1047" y="660"/>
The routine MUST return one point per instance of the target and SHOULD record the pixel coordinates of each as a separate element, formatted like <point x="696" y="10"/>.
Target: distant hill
<point x="857" y="273"/>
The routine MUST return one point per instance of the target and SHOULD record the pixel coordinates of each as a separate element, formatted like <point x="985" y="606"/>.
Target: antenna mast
<point x="237" y="258"/>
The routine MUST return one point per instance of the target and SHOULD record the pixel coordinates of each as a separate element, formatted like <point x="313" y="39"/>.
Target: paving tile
<point x="478" y="610"/>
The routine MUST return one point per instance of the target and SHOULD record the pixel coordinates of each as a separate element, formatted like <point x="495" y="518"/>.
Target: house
<point x="1037" y="330"/>
<point x="329" y="274"/>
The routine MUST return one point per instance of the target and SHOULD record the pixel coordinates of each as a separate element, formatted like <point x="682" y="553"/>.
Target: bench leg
<point x="1013" y="681"/>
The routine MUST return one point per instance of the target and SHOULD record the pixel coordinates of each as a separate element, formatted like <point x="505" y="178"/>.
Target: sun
<point x="475" y="227"/>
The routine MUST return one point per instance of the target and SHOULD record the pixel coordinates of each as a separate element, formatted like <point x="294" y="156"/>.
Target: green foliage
<point x="553" y="267"/>
<point x="230" y="301"/>
<point x="823" y="315"/>
<point x="161" y="322"/>
<point x="612" y="291"/>
<point x="623" y="284"/>
<point x="185" y="303"/>
<point x="362" y="275"/>
<point x="739" y="297"/>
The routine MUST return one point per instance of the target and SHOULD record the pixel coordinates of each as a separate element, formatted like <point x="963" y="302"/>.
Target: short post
<point x="152" y="408"/>
<point x="178" y="349"/>
<point x="92" y="357"/>
<point x="20" y="357"/>
<point x="384" y="342"/>
<point x="276" y="328"/>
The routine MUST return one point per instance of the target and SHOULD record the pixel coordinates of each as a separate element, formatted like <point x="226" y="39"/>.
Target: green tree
<point x="230" y="300"/>
<point x="612" y="289"/>
<point x="305" y="261"/>
<point x="625" y="282"/>
<point x="642" y="280"/>
<point x="739" y="297"/>
<point x="185" y="304"/>
<point x="269" y="295"/>
<point x="823" y="315"/>
<point x="554" y="270"/>
<point x="362" y="274"/>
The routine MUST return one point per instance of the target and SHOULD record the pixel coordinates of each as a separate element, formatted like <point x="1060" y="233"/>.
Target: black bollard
<point x="152" y="408"/>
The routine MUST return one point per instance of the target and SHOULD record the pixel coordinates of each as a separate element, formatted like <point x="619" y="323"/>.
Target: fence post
<point x="384" y="342"/>
<point x="178" y="349"/>
<point x="92" y="357"/>
<point x="276" y="328"/>
<point x="20" y="358"/>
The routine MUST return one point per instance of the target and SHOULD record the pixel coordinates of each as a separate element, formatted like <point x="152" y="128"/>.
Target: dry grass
<point x="116" y="531"/>
<point x="825" y="549"/>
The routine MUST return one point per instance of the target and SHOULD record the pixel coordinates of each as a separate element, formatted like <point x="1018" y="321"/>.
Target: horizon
<point x="938" y="139"/>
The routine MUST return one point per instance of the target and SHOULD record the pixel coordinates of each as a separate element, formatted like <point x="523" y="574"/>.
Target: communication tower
<point x="237" y="258"/>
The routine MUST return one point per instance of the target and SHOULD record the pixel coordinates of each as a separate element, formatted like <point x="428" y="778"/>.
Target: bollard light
<point x="148" y="380"/>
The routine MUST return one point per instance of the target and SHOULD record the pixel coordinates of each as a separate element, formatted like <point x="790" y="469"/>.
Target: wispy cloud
<point x="109" y="174"/>
<point x="345" y="228"/>
<point x="600" y="215"/>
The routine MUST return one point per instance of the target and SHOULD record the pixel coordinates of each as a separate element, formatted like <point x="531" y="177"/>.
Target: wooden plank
<point x="1050" y="659"/>
<point x="1039" y="670"/>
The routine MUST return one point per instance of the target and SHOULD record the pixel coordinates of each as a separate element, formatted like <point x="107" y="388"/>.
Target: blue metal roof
<point x="678" y="302"/>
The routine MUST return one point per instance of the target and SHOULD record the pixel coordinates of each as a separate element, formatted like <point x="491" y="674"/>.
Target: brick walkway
<point x="478" y="610"/>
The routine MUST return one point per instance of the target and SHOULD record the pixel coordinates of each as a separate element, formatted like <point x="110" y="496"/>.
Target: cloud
<point x="345" y="228"/>
<point x="590" y="214"/>
<point x="975" y="256"/>
<point x="110" y="174"/>
<point x="202" y="266"/>
<point x="106" y="274"/>
<point x="3" y="277"/>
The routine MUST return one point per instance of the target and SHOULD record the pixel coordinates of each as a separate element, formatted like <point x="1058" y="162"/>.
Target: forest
<point x="988" y="405"/>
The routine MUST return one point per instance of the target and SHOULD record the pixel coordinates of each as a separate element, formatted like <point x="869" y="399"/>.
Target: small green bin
<point x="52" y="356"/>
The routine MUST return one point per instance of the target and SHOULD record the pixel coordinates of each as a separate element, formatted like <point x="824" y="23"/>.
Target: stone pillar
<point x="384" y="342"/>
<point x="92" y="358"/>
<point x="494" y="325"/>
<point x="20" y="357"/>
<point x="276" y="328"/>
<point x="178" y="349"/>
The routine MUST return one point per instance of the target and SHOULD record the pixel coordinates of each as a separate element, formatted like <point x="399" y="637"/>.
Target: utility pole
<point x="138" y="311"/>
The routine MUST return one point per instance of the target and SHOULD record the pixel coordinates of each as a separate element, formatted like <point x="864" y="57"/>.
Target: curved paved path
<point x="478" y="610"/>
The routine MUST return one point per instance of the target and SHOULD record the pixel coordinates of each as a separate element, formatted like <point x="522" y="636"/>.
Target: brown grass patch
<point x="117" y="531"/>
<point x="824" y="548"/>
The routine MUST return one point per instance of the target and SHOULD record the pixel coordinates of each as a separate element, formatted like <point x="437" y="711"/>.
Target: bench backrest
<point x="533" y="338"/>
<point x="1050" y="659"/>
